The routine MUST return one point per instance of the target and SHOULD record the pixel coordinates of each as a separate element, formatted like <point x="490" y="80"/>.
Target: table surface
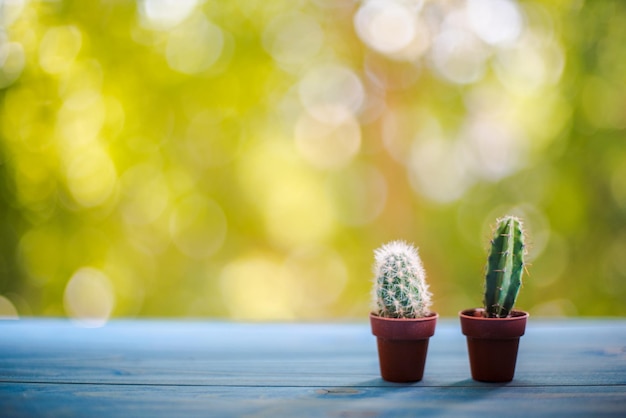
<point x="152" y="368"/>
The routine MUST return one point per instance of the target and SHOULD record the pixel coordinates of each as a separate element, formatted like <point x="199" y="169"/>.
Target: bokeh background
<point x="242" y="159"/>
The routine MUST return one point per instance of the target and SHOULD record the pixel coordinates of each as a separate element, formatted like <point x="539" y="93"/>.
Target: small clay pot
<point x="402" y="346"/>
<point x="492" y="343"/>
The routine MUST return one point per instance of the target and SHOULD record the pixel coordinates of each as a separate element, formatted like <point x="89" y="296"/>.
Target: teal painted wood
<point x="157" y="368"/>
<point x="62" y="400"/>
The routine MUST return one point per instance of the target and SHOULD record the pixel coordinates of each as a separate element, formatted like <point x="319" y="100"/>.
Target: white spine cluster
<point x="400" y="289"/>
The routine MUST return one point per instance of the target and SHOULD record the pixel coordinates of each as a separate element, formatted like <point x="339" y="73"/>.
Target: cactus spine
<point x="505" y="266"/>
<point x="400" y="289"/>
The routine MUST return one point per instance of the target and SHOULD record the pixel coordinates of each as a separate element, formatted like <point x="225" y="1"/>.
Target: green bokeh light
<point x="243" y="159"/>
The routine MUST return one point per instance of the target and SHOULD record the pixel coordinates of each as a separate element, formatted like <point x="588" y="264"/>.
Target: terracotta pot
<point x="492" y="343"/>
<point x="402" y="346"/>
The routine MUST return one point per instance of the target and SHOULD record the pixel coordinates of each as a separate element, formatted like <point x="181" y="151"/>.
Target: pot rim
<point x="516" y="315"/>
<point x="473" y="326"/>
<point x="405" y="329"/>
<point x="429" y="317"/>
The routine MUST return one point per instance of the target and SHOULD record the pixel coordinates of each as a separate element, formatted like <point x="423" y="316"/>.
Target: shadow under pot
<point x="402" y="346"/>
<point x="492" y="343"/>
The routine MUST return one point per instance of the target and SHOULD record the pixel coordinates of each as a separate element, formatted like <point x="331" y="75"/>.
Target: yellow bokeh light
<point x="359" y="194"/>
<point x="194" y="46"/>
<point x="293" y="40"/>
<point x="494" y="149"/>
<point x="198" y="226"/>
<point x="89" y="298"/>
<point x="36" y="187"/>
<point x="91" y="176"/>
<point x="7" y="309"/>
<point x="317" y="276"/>
<point x="328" y="145"/>
<point x="40" y="253"/>
<point x="131" y="274"/>
<point x="165" y="14"/>
<point x="532" y="63"/>
<point x="11" y="10"/>
<point x="331" y="93"/>
<point x="458" y="55"/>
<point x="293" y="201"/>
<point x="59" y="48"/>
<point x="80" y="119"/>
<point x="193" y="153"/>
<point x="386" y="26"/>
<point x="253" y="288"/>
<point x="144" y="194"/>
<point x="297" y="212"/>
<point x="12" y="61"/>
<point x="212" y="140"/>
<point x="438" y="170"/>
<point x="24" y="111"/>
<point x="495" y="21"/>
<point x="84" y="78"/>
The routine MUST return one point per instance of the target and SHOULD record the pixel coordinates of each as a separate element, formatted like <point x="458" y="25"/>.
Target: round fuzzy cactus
<point x="400" y="289"/>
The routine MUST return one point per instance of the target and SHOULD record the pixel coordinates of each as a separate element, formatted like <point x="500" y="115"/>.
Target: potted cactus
<point x="401" y="319"/>
<point x="493" y="332"/>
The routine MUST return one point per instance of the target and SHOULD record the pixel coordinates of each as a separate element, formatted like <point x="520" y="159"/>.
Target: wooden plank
<point x="173" y="368"/>
<point x="553" y="353"/>
<point x="69" y="400"/>
<point x="213" y="354"/>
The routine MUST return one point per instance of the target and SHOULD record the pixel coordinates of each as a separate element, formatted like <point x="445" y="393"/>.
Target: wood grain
<point x="49" y="367"/>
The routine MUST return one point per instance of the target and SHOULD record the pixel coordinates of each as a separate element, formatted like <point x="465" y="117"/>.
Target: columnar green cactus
<point x="505" y="266"/>
<point x="400" y="289"/>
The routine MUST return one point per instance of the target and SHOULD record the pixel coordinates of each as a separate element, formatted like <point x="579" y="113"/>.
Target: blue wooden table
<point x="147" y="368"/>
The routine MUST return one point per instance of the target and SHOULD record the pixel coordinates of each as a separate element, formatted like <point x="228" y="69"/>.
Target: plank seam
<point x="395" y="386"/>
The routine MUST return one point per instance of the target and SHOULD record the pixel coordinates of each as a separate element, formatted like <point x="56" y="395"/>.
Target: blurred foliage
<point x="243" y="159"/>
